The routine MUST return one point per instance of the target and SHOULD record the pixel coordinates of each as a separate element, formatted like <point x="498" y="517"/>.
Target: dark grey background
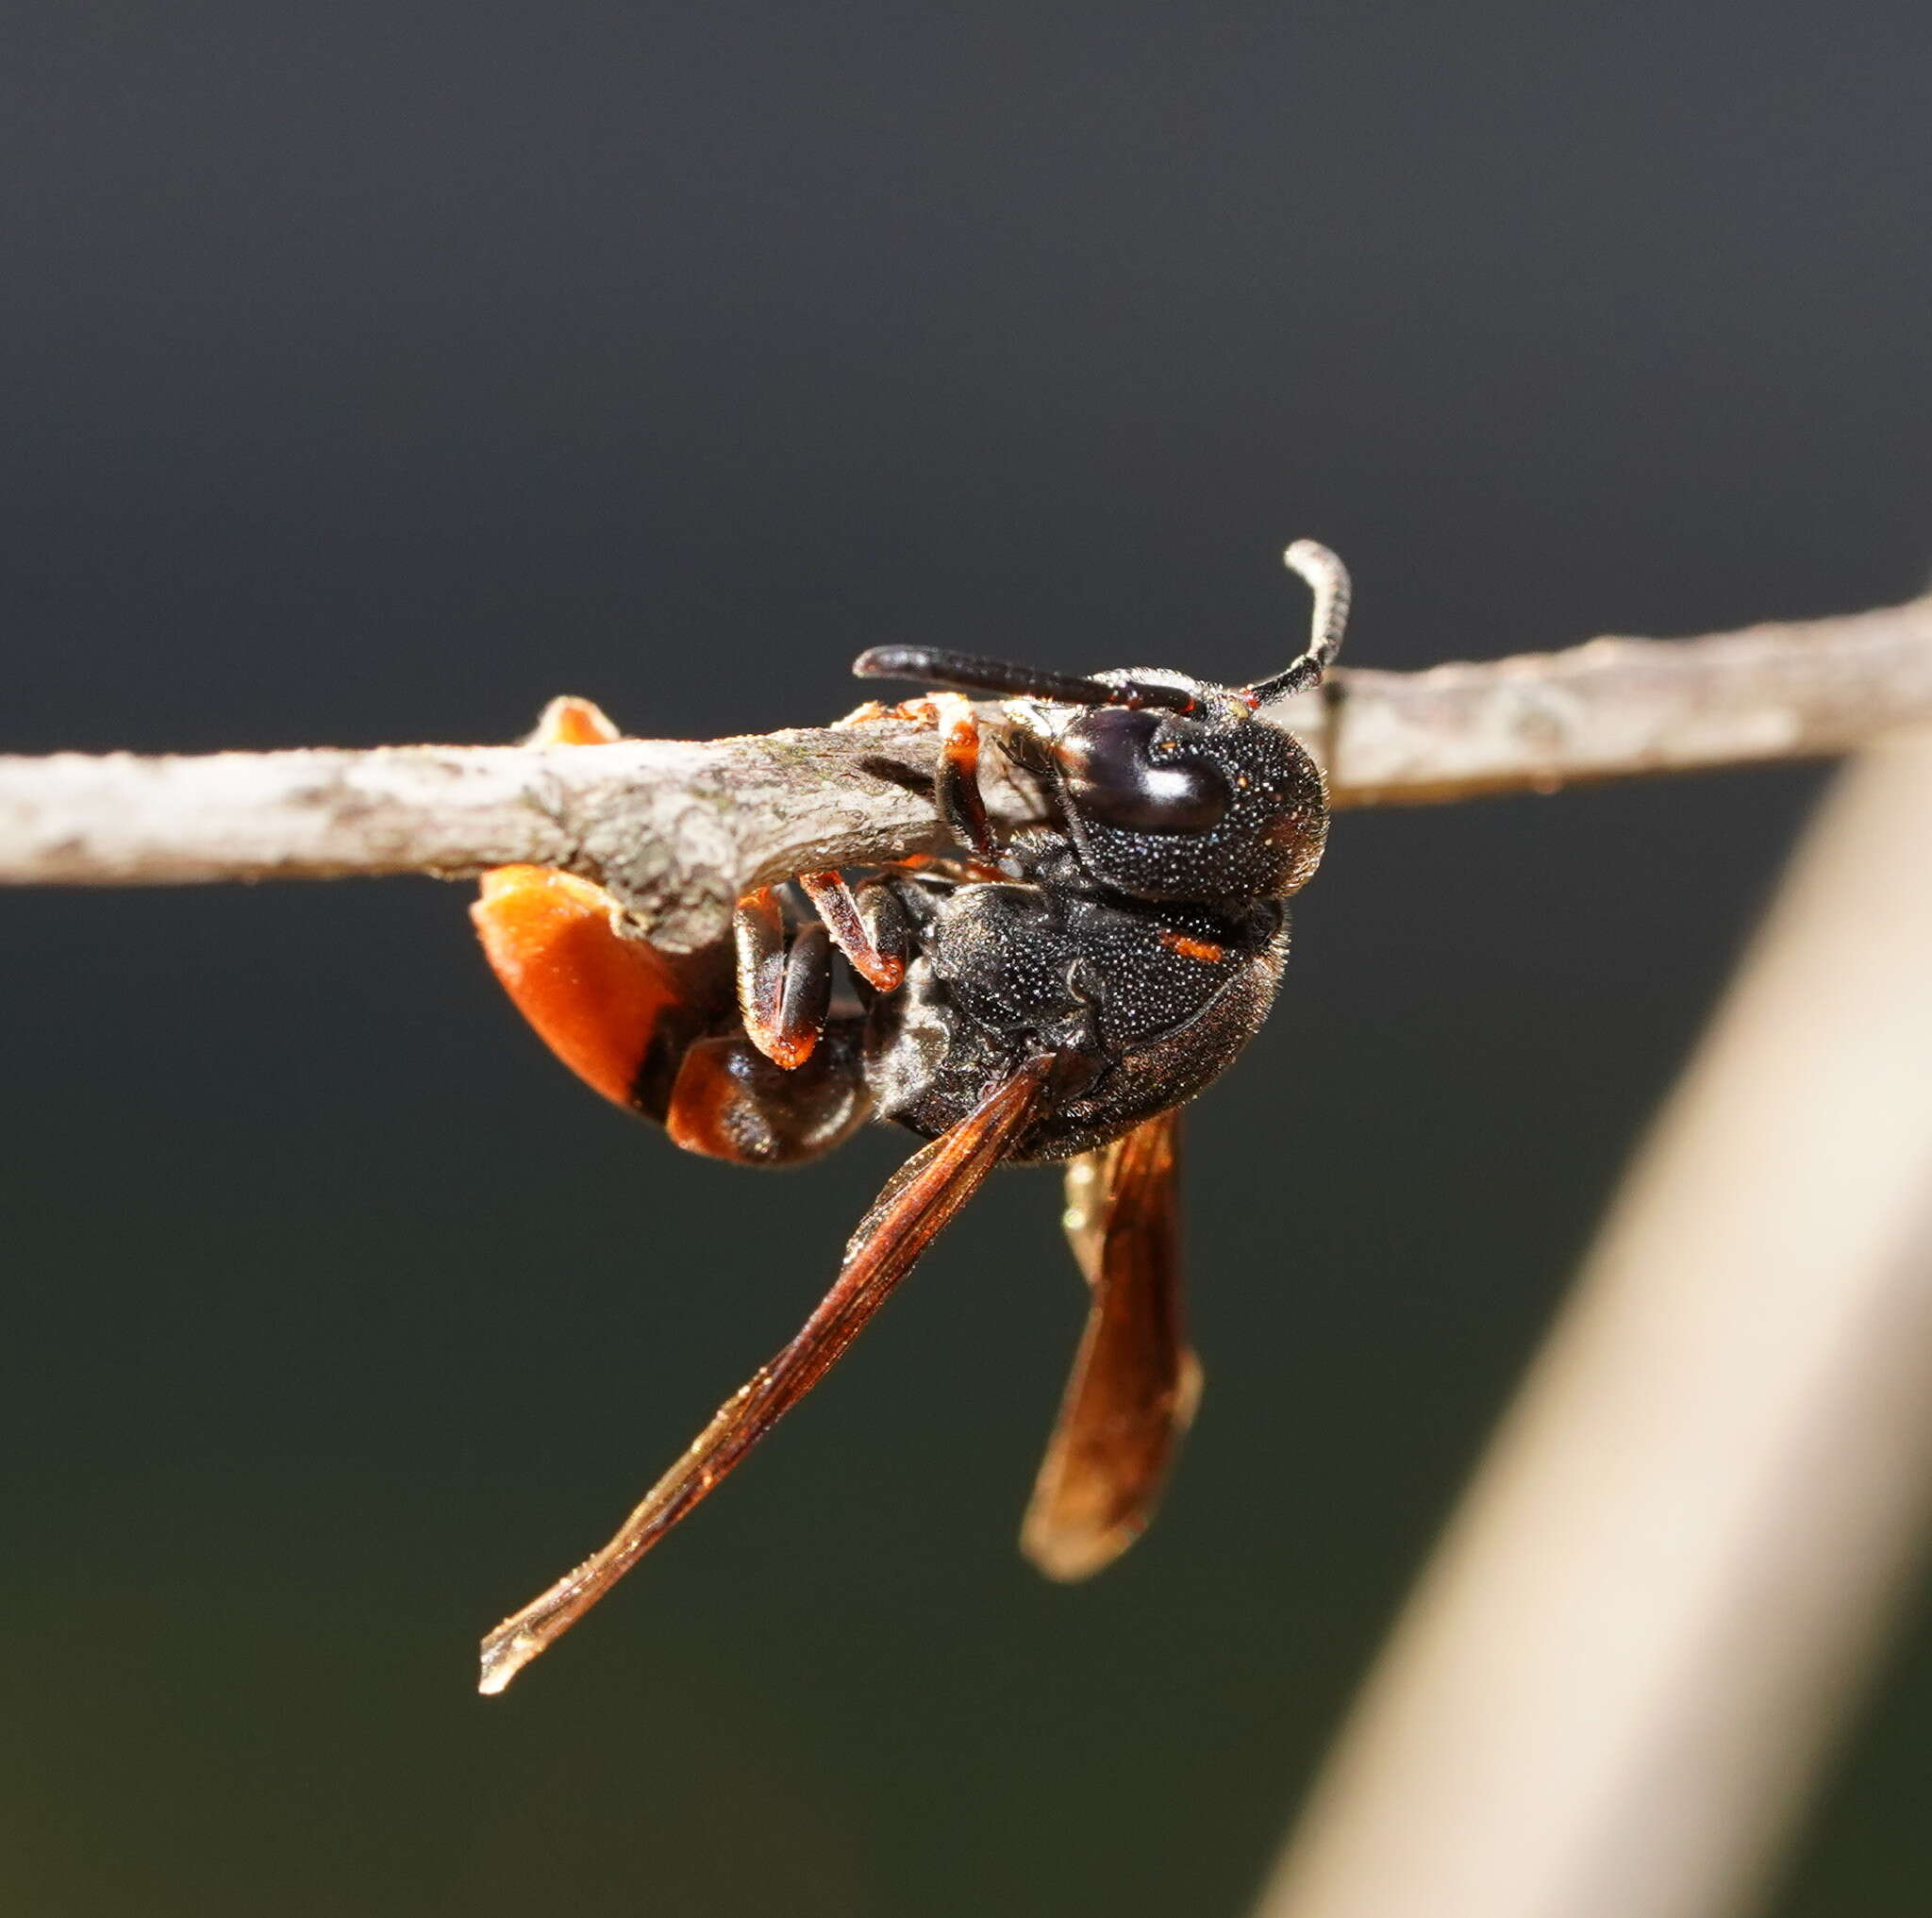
<point x="373" y="373"/>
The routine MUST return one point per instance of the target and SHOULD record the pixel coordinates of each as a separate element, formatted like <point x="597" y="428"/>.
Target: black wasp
<point x="1058" y="994"/>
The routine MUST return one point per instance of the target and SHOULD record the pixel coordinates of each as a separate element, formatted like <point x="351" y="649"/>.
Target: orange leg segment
<point x="782" y="990"/>
<point x="861" y="927"/>
<point x="957" y="790"/>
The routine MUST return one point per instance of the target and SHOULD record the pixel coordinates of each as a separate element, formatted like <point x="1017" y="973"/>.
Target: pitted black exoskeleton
<point x="1054" y="994"/>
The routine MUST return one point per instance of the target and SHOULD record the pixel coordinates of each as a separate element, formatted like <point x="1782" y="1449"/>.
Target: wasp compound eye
<point x="1116" y="774"/>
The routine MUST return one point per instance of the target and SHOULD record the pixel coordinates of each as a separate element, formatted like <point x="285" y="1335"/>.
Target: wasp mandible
<point x="1054" y="994"/>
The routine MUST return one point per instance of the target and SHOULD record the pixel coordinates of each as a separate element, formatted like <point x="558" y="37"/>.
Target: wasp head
<point x="1172" y="788"/>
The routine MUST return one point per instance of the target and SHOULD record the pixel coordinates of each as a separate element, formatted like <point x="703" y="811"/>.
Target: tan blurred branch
<point x="1619" y="1679"/>
<point x="679" y="830"/>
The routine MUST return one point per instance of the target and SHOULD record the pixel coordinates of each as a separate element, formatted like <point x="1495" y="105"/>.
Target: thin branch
<point x="1620" y="1680"/>
<point x="679" y="830"/>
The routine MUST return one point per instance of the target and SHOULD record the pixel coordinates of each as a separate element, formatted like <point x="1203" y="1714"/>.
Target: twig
<point x="1622" y="1675"/>
<point x="678" y="830"/>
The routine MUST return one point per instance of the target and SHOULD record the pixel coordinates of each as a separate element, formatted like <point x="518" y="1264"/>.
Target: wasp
<point x="1056" y="995"/>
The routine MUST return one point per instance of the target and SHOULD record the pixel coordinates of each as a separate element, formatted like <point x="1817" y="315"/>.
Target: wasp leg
<point x="655" y="1032"/>
<point x="867" y="923"/>
<point x="635" y="1027"/>
<point x="957" y="790"/>
<point x="782" y="991"/>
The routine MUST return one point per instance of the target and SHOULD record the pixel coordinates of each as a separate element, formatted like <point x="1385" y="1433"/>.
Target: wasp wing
<point x="914" y="1206"/>
<point x="1135" y="1382"/>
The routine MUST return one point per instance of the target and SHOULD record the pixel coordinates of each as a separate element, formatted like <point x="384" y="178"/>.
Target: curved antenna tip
<point x="1318" y="564"/>
<point x="1327" y="579"/>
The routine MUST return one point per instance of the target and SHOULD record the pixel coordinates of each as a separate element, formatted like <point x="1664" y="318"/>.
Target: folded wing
<point x="916" y="1205"/>
<point x="1135" y="1382"/>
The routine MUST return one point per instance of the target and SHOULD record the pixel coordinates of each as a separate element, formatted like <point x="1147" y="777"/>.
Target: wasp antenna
<point x="1327" y="581"/>
<point x="964" y="672"/>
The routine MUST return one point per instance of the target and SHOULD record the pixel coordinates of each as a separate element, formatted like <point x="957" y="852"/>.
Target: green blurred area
<point x="378" y="375"/>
